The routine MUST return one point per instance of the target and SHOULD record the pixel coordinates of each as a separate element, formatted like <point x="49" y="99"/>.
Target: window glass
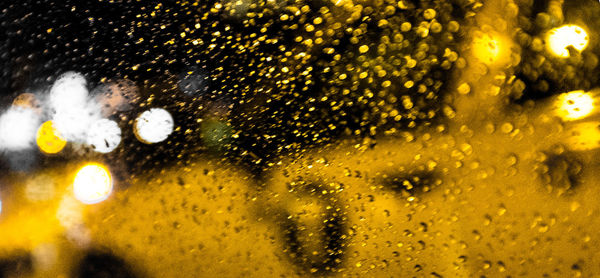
<point x="280" y="138"/>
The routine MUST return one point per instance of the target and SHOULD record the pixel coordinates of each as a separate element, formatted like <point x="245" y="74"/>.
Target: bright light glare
<point x="153" y="126"/>
<point x="575" y="105"/>
<point x="68" y="91"/>
<point x="559" y="39"/>
<point x="583" y="136"/>
<point x="18" y="126"/>
<point x="104" y="136"/>
<point x="92" y="184"/>
<point x="73" y="111"/>
<point x="486" y="48"/>
<point x="49" y="140"/>
<point x="73" y="124"/>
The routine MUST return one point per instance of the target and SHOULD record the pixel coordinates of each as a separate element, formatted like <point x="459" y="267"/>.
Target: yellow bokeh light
<point x="92" y="184"/>
<point x="575" y="105"/>
<point x="49" y="140"/>
<point x="486" y="48"/>
<point x="583" y="136"/>
<point x="559" y="39"/>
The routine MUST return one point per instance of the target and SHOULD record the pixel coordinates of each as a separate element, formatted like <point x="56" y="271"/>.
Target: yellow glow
<point x="40" y="188"/>
<point x="575" y="105"/>
<point x="486" y="48"/>
<point x="49" y="140"/>
<point x="92" y="184"/>
<point x="24" y="225"/>
<point x="583" y="136"/>
<point x="559" y="39"/>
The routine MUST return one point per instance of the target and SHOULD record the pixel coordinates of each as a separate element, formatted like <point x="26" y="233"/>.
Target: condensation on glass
<point x="305" y="138"/>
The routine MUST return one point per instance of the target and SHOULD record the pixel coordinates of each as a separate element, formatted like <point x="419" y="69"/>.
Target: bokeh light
<point x="68" y="91"/>
<point x="27" y="100"/>
<point x="18" y="126"/>
<point x="153" y="126"/>
<point x="49" y="140"/>
<point x="115" y="97"/>
<point x="93" y="184"/>
<point x="302" y="138"/>
<point x="104" y="136"/>
<point x="215" y="134"/>
<point x="73" y="111"/>
<point x="70" y="216"/>
<point x="486" y="48"/>
<point x="575" y="105"/>
<point x="583" y="136"/>
<point x="193" y="82"/>
<point x="561" y="38"/>
<point x="40" y="188"/>
<point x="45" y="256"/>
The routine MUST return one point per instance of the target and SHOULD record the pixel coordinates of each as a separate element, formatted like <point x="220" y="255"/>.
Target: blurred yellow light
<point x="575" y="105"/>
<point x="486" y="48"/>
<point x="41" y="187"/>
<point x="92" y="184"/>
<point x="583" y="136"/>
<point x="559" y="39"/>
<point x="49" y="140"/>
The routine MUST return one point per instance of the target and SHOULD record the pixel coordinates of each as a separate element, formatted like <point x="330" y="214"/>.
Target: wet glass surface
<point x="327" y="138"/>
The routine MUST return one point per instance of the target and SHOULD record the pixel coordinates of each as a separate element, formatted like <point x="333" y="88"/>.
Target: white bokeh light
<point x="74" y="123"/>
<point x="93" y="184"/>
<point x="559" y="39"/>
<point x="104" y="135"/>
<point x="18" y="127"/>
<point x="575" y="105"/>
<point x="69" y="91"/>
<point x="153" y="126"/>
<point x="73" y="111"/>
